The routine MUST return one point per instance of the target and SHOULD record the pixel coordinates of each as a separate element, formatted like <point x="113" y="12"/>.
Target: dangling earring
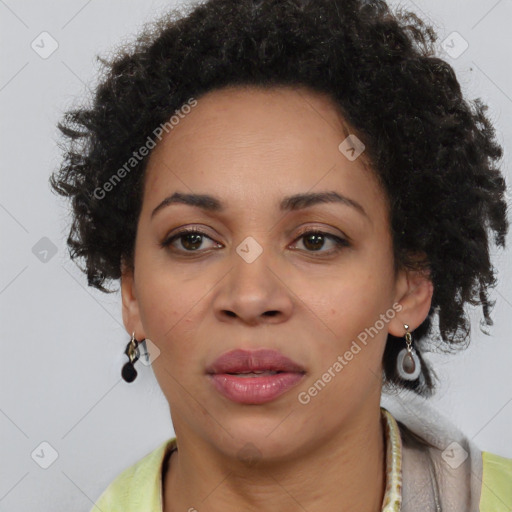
<point x="132" y="351"/>
<point x="408" y="364"/>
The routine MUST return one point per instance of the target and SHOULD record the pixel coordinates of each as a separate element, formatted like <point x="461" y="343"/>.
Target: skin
<point x="251" y="147"/>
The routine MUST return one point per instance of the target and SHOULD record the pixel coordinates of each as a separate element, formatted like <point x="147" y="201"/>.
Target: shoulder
<point x="496" y="483"/>
<point x="442" y="468"/>
<point x="138" y="487"/>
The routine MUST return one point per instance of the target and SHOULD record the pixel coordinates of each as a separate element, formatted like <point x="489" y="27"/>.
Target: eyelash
<point x="340" y="242"/>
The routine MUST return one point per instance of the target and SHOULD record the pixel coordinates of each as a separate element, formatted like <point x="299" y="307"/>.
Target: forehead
<point x="250" y="113"/>
<point x="242" y="142"/>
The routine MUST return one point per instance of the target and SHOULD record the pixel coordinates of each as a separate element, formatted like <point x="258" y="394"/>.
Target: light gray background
<point x="62" y="343"/>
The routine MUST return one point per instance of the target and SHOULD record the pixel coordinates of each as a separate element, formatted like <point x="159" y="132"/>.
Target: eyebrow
<point x="291" y="203"/>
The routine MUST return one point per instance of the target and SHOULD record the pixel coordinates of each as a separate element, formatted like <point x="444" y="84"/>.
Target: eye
<point x="315" y="239"/>
<point x="191" y="240"/>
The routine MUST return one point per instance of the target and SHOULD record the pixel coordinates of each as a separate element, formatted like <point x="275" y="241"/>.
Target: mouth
<point x="255" y="373"/>
<point x="240" y="362"/>
<point x="254" y="377"/>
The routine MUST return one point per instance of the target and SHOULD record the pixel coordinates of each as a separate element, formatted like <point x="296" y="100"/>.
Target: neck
<point x="345" y="472"/>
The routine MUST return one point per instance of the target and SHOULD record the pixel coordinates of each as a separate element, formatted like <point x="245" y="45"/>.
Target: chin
<point x="260" y="438"/>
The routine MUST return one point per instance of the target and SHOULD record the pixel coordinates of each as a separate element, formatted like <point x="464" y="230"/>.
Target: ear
<point x="414" y="290"/>
<point x="130" y="304"/>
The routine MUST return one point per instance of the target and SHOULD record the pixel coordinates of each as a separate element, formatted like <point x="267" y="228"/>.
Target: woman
<point x="290" y="193"/>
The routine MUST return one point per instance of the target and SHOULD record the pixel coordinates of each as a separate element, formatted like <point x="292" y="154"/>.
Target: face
<point x="253" y="278"/>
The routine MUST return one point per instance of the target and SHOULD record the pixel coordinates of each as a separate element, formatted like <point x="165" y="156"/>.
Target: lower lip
<point x="254" y="390"/>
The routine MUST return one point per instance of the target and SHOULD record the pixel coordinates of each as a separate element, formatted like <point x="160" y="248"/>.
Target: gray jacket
<point x="441" y="467"/>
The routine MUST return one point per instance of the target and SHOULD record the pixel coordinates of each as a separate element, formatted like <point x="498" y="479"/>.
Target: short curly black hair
<point x="434" y="152"/>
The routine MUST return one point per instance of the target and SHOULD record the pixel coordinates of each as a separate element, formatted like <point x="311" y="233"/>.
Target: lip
<point x="254" y="390"/>
<point x="239" y="361"/>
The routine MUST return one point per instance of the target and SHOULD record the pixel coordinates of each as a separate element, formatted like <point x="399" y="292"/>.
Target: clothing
<point x="442" y="469"/>
<point x="418" y="477"/>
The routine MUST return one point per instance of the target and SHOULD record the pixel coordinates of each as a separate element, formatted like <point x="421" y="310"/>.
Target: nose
<point x="254" y="291"/>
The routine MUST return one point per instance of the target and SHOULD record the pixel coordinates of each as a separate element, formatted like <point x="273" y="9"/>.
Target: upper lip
<point x="239" y="361"/>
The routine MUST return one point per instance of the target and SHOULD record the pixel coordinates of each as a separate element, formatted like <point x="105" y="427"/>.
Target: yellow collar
<point x="139" y="487"/>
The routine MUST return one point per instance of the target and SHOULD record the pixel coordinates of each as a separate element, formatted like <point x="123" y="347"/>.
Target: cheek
<point x="169" y="312"/>
<point x="353" y="298"/>
<point x="169" y="301"/>
<point x="348" y="311"/>
<point x="348" y="354"/>
<point x="171" y="321"/>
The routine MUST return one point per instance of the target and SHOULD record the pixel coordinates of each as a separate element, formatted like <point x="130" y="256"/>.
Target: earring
<point x="408" y="364"/>
<point x="132" y="351"/>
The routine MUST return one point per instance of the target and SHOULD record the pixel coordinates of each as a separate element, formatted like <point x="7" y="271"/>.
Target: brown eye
<point x="314" y="241"/>
<point x="191" y="240"/>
